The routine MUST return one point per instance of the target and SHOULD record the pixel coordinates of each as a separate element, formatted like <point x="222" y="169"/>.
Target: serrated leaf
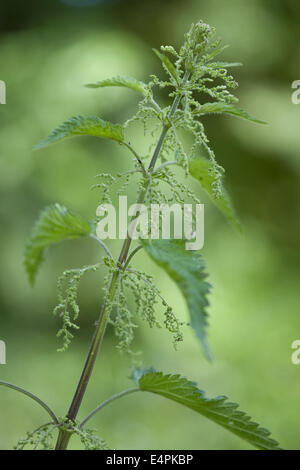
<point x="126" y="82"/>
<point x="80" y="125"/>
<point x="199" y="169"/>
<point x="218" y="410"/>
<point x="186" y="268"/>
<point x="55" y="224"/>
<point x="225" y="108"/>
<point x="168" y="64"/>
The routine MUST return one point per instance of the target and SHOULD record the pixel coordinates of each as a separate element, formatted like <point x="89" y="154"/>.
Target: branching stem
<point x="105" y="248"/>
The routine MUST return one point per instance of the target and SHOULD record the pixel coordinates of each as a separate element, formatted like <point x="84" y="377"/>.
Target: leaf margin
<point x="219" y="410"/>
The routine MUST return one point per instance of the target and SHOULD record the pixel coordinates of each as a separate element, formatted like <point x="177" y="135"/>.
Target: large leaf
<point x="199" y="169"/>
<point x="55" y="224"/>
<point x="220" y="107"/>
<point x="225" y="65"/>
<point x="218" y="409"/>
<point x="186" y="268"/>
<point x="80" y="125"/>
<point x="126" y="82"/>
<point x="167" y="64"/>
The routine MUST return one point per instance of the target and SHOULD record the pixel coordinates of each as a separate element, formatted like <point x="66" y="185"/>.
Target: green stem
<point x="158" y="147"/>
<point x="137" y="157"/>
<point x="34" y="397"/>
<point x="127" y="242"/>
<point x="107" y="402"/>
<point x="65" y="435"/>
<point x="164" y="165"/>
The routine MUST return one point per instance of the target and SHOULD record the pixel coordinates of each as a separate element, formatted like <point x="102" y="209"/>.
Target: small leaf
<point x="199" y="169"/>
<point x="84" y="126"/>
<point x="220" y="107"/>
<point x="167" y="64"/>
<point x="186" y="268"/>
<point x="126" y="82"/>
<point x="225" y="65"/>
<point x="55" y="224"/>
<point x="218" y="409"/>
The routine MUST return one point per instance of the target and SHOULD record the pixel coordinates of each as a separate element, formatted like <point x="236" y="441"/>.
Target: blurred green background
<point x="48" y="51"/>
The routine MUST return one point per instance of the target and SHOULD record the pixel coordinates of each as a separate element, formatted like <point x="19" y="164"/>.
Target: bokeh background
<point x="48" y="51"/>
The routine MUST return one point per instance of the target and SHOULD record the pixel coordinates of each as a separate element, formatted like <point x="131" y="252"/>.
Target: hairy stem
<point x="65" y="435"/>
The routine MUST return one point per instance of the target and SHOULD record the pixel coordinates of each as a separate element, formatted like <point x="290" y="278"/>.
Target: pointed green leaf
<point x="220" y="107"/>
<point x="218" y="409"/>
<point x="55" y="224"/>
<point x="167" y="64"/>
<point x="126" y="82"/>
<point x="186" y="268"/>
<point x="199" y="169"/>
<point x="215" y="52"/>
<point x="84" y="126"/>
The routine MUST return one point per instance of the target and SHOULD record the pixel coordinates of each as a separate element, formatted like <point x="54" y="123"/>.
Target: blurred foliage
<point x="48" y="51"/>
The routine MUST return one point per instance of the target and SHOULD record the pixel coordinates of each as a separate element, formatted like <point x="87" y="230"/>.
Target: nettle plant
<point x="191" y="73"/>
